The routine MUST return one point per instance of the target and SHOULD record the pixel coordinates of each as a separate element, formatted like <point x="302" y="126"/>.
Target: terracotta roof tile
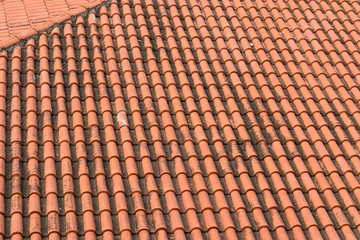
<point x="181" y="119"/>
<point x="23" y="19"/>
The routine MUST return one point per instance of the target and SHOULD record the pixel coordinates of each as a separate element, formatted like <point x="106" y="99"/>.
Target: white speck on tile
<point x="93" y="15"/>
<point x="121" y="118"/>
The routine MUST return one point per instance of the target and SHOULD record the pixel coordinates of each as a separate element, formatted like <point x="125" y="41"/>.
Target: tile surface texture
<point x="183" y="119"/>
<point x="21" y="19"/>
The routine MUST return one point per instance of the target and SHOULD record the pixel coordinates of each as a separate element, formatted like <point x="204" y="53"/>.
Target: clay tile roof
<point x="200" y="119"/>
<point x="21" y="19"/>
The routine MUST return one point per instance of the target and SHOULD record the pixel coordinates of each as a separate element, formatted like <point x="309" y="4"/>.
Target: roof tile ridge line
<point x="50" y="23"/>
<point x="3" y="71"/>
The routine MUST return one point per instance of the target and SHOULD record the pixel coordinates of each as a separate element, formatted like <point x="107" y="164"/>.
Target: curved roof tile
<point x="21" y="19"/>
<point x="184" y="119"/>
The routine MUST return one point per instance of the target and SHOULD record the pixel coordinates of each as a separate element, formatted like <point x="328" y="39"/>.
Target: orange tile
<point x="18" y="17"/>
<point x="211" y="119"/>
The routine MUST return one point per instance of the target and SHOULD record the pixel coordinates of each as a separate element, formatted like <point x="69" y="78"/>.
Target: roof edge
<point x="49" y="23"/>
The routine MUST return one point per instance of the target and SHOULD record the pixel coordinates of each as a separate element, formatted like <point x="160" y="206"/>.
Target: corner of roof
<point x="50" y="23"/>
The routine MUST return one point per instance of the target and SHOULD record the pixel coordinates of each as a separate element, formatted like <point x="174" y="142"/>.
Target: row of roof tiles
<point x="21" y="19"/>
<point x="200" y="119"/>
